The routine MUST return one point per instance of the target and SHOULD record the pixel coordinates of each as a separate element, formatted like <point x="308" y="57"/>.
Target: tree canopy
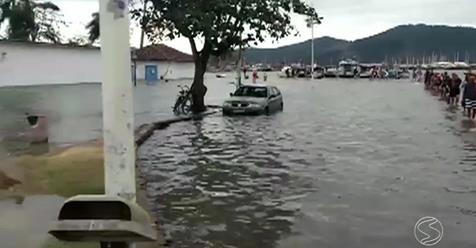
<point x="221" y="25"/>
<point x="30" y="20"/>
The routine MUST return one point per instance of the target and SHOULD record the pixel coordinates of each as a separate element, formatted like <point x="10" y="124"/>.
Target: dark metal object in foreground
<point x="102" y="219"/>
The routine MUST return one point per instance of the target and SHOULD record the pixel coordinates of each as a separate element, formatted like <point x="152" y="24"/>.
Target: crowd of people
<point x="454" y="90"/>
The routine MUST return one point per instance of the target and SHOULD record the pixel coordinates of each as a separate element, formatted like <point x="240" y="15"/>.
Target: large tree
<point x="30" y="20"/>
<point x="219" y="26"/>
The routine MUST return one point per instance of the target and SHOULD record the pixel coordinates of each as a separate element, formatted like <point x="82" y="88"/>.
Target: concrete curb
<point x="145" y="131"/>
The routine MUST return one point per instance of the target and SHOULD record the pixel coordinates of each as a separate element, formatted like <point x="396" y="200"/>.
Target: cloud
<point x="345" y="19"/>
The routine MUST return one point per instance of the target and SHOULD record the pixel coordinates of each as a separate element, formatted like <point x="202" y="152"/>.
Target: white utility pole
<point x="117" y="101"/>
<point x="312" y="49"/>
<point x="311" y="21"/>
<point x="239" y="67"/>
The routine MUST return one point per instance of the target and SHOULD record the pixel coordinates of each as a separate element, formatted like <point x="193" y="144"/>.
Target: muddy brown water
<point x="349" y="163"/>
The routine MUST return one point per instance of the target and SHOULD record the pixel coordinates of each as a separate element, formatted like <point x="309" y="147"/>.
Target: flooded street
<point x="349" y="163"/>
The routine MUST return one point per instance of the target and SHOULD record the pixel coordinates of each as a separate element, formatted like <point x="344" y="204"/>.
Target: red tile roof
<point x="161" y="52"/>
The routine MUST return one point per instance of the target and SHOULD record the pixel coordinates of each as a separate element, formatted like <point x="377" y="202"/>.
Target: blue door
<point x="151" y="74"/>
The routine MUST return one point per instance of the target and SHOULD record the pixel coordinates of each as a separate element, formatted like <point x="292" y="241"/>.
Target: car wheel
<point x="281" y="107"/>
<point x="266" y="110"/>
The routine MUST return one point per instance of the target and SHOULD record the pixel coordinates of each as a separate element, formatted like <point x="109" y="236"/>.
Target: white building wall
<point x="29" y="64"/>
<point x="40" y="64"/>
<point x="169" y="70"/>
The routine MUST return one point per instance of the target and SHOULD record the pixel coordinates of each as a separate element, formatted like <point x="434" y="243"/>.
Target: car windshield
<point x="252" y="92"/>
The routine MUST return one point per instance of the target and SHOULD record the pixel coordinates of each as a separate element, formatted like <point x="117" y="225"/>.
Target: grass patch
<point x="78" y="170"/>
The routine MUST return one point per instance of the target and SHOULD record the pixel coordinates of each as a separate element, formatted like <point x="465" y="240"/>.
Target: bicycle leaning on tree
<point x="183" y="104"/>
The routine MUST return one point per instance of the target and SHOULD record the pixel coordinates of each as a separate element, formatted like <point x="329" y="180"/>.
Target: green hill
<point x="399" y="43"/>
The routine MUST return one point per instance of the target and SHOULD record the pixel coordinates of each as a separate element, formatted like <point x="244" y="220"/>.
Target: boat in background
<point x="318" y="72"/>
<point x="285" y="72"/>
<point x="462" y="66"/>
<point x="347" y="68"/>
<point x="301" y="72"/>
<point x="262" y="67"/>
<point x="443" y="65"/>
<point x="366" y="70"/>
<point x="330" y="71"/>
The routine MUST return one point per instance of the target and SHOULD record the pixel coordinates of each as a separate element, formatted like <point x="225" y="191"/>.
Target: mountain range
<point x="406" y="42"/>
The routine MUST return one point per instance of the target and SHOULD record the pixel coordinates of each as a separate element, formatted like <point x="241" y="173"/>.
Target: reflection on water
<point x="348" y="164"/>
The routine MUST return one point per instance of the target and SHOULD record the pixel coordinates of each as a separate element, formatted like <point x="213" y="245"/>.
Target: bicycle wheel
<point x="187" y="106"/>
<point x="177" y="107"/>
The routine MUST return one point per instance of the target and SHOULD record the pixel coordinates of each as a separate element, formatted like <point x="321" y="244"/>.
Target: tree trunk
<point x="198" y="89"/>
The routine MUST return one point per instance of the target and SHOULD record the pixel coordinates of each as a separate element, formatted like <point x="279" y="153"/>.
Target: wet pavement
<point x="349" y="163"/>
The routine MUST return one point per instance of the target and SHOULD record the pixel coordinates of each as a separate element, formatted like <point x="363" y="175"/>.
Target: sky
<point x="343" y="19"/>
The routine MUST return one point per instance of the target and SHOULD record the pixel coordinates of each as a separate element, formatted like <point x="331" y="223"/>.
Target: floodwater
<point x="74" y="117"/>
<point x="349" y="163"/>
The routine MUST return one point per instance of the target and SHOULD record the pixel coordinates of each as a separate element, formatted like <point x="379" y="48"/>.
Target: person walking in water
<point x="462" y="99"/>
<point x="454" y="90"/>
<point x="255" y="76"/>
<point x="265" y="76"/>
<point x="470" y="97"/>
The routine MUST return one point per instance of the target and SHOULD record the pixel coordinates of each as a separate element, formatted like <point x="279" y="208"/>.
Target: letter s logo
<point x="428" y="231"/>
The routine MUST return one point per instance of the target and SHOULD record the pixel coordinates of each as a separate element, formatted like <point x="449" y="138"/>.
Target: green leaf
<point x="222" y="23"/>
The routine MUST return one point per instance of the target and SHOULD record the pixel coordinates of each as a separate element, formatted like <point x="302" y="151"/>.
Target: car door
<point x="279" y="99"/>
<point x="273" y="99"/>
<point x="270" y="99"/>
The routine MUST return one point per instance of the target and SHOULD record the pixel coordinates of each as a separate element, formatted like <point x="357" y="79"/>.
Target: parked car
<point x="254" y="99"/>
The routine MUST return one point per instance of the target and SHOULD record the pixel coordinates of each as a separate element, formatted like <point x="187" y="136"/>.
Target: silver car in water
<point x="254" y="99"/>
